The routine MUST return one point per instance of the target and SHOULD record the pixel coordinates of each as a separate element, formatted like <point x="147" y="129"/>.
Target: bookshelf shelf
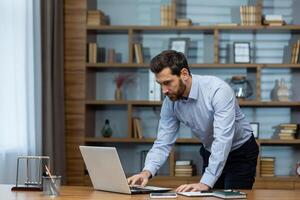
<point x="158" y="103"/>
<point x="191" y="28"/>
<point x="183" y="141"/>
<point x="135" y="140"/>
<point x="278" y="142"/>
<point x="197" y="65"/>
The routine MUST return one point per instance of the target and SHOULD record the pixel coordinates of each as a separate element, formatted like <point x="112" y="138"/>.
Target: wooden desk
<point x="87" y="193"/>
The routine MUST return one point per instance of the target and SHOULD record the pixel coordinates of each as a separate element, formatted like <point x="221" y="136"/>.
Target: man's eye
<point x="167" y="83"/>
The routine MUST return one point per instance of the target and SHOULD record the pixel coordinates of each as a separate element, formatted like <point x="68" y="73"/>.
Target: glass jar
<point x="241" y="86"/>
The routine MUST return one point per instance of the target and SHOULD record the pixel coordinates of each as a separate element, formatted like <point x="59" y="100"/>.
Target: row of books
<point x="288" y="131"/>
<point x="295" y="52"/>
<point x="250" y="15"/>
<point x="96" y="18"/>
<point x="273" y="20"/>
<point x="97" y="54"/>
<point x="168" y="13"/>
<point x="184" y="168"/>
<point x="267" y="166"/>
<point x="137" y="128"/>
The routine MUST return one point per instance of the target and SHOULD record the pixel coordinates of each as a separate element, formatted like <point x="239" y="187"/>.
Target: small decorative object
<point x="179" y="44"/>
<point x="255" y="128"/>
<point x="283" y="91"/>
<point x="120" y="80"/>
<point x="241" y="86"/>
<point x="241" y="52"/>
<point x="274" y="91"/>
<point x="32" y="182"/>
<point x="298" y="168"/>
<point x="106" y="130"/>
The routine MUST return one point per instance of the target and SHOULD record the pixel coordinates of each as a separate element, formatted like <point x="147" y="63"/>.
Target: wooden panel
<point x="74" y="122"/>
<point x="74" y="86"/>
<point x="74" y="107"/>
<point x="75" y="167"/>
<point x="74" y="67"/>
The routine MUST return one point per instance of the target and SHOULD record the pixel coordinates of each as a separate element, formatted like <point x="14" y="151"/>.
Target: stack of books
<point x="288" y="131"/>
<point x="184" y="168"/>
<point x="96" y="17"/>
<point x="168" y="13"/>
<point x="273" y="20"/>
<point x="250" y="15"/>
<point x="267" y="166"/>
<point x="138" y="54"/>
<point x="295" y="52"/>
<point x="137" y="128"/>
<point x="183" y="22"/>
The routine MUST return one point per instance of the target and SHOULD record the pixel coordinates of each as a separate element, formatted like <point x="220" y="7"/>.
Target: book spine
<point x="151" y="86"/>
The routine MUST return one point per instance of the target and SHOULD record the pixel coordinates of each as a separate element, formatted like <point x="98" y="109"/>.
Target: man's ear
<point x="184" y="74"/>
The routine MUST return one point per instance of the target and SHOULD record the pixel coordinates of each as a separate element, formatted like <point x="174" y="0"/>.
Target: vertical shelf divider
<point x="216" y="46"/>
<point x="129" y="115"/>
<point x="258" y="83"/>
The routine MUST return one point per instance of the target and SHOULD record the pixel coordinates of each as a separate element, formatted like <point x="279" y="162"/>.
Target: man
<point x="208" y="106"/>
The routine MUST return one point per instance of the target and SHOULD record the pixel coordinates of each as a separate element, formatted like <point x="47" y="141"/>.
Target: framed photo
<point x="255" y="128"/>
<point x="179" y="44"/>
<point x="241" y="52"/>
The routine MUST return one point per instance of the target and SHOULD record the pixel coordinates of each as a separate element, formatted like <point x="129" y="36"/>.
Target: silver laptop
<point x="106" y="172"/>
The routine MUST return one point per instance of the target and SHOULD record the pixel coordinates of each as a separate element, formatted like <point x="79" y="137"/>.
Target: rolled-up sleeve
<point x="223" y="103"/>
<point x="166" y="137"/>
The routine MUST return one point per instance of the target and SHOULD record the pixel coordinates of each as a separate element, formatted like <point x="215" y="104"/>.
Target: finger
<point x="144" y="182"/>
<point x="179" y="189"/>
<point x="182" y="188"/>
<point x="195" y="190"/>
<point x="187" y="188"/>
<point x="129" y="180"/>
<point x="134" y="181"/>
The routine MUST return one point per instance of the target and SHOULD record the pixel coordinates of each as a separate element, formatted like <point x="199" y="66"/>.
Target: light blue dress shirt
<point x="214" y="116"/>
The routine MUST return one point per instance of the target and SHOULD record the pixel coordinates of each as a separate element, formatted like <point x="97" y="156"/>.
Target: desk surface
<point x="87" y="193"/>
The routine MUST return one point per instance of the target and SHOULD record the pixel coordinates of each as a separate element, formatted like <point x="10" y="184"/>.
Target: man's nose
<point x="165" y="90"/>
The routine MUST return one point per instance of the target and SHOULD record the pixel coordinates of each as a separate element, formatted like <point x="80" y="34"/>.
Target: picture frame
<point x="255" y="128"/>
<point x="179" y="44"/>
<point x="241" y="52"/>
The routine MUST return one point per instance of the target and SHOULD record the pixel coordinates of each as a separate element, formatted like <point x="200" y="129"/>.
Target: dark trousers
<point x="240" y="168"/>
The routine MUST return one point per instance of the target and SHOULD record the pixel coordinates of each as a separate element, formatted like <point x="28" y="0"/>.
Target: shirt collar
<point x="194" y="89"/>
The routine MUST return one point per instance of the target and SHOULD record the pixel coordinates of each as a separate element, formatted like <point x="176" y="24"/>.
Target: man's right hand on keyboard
<point x="139" y="179"/>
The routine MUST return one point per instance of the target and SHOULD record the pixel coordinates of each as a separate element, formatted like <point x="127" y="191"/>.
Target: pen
<point x="52" y="181"/>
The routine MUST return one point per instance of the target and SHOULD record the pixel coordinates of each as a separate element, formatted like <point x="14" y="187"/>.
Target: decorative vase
<point x="118" y="94"/>
<point x="274" y="91"/>
<point x="283" y="91"/>
<point x="106" y="131"/>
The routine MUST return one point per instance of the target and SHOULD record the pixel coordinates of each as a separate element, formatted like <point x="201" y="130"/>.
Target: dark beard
<point x="179" y="93"/>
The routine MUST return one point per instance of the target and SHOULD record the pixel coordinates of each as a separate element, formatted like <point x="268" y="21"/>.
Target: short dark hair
<point x="174" y="60"/>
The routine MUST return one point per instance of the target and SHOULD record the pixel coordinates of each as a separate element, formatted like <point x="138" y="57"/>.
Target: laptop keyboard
<point x="134" y="188"/>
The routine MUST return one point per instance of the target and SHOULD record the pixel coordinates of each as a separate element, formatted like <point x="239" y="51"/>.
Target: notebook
<point x="107" y="174"/>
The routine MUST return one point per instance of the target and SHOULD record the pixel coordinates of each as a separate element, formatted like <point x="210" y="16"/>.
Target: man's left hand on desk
<point x="194" y="187"/>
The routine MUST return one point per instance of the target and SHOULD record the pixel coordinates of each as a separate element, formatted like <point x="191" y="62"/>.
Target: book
<point x="225" y="194"/>
<point x="183" y="162"/>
